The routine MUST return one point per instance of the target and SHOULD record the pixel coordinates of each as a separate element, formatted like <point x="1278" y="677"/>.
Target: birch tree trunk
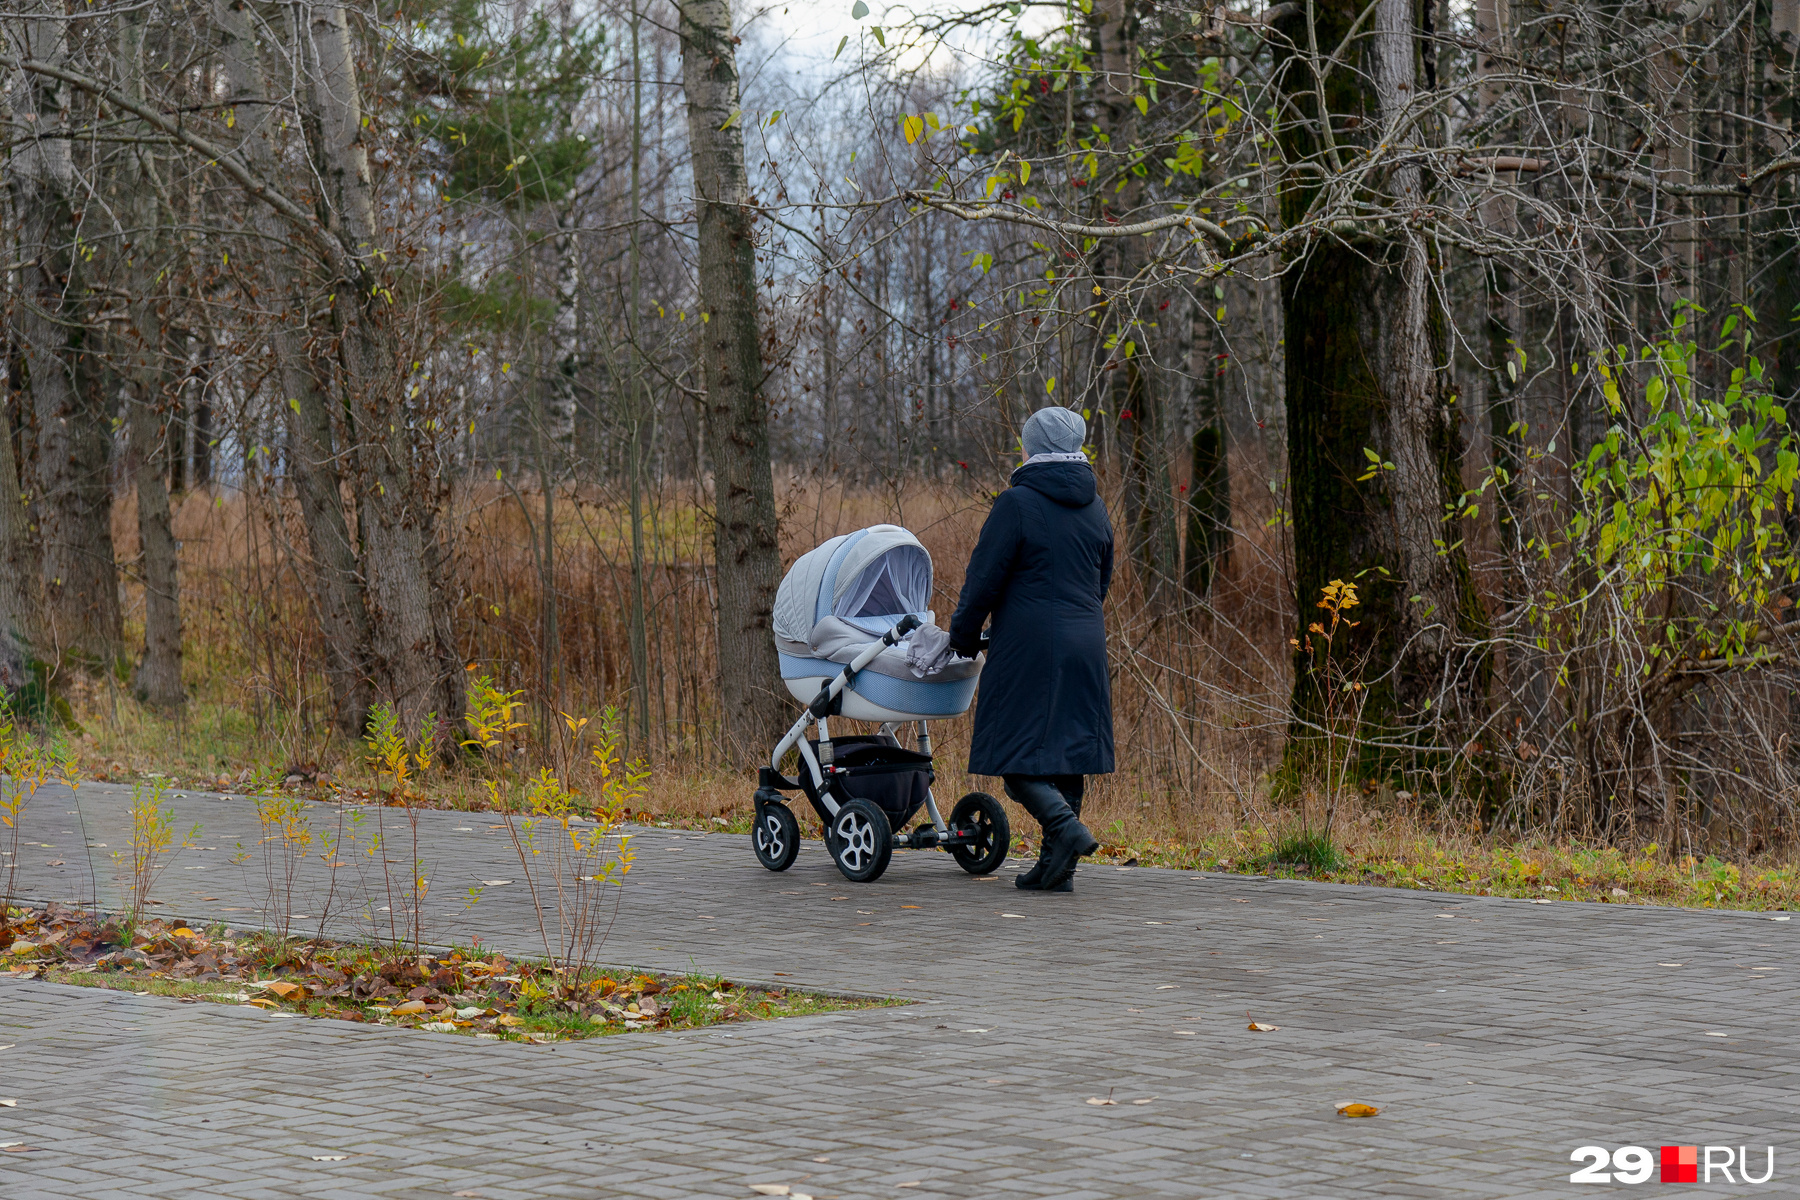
<point x="412" y="650"/>
<point x="1366" y="372"/>
<point x="746" y="553"/>
<point x="157" y="680"/>
<point x="335" y="581"/>
<point x="72" y="417"/>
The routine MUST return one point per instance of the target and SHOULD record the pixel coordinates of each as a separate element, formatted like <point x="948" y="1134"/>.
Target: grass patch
<point x="1534" y="869"/>
<point x="1308" y="848"/>
<point x="466" y="992"/>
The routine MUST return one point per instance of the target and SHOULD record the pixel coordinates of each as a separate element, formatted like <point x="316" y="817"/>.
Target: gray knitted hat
<point x="1053" y="431"/>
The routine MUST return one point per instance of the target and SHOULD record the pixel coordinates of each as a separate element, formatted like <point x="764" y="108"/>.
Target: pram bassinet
<point x="842" y="596"/>
<point x="843" y="616"/>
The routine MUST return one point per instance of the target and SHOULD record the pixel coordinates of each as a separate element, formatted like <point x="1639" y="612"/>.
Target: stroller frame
<point x="972" y="843"/>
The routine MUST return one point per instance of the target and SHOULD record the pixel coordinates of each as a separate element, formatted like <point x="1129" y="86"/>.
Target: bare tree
<point x="72" y="423"/>
<point x="305" y="405"/>
<point x="747" y="554"/>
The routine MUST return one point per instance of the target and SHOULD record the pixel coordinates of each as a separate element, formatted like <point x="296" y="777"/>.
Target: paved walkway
<point x="1495" y="1035"/>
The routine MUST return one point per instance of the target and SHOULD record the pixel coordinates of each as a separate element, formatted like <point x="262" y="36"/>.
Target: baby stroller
<point x="844" y="617"/>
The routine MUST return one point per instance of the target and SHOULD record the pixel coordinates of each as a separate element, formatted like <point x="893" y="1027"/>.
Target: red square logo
<point x="1681" y="1164"/>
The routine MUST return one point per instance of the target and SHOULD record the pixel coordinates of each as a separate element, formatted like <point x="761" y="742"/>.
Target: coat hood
<point x="1069" y="484"/>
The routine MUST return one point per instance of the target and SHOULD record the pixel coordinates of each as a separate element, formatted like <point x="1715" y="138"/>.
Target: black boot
<point x="1066" y="839"/>
<point x="1029" y="879"/>
<point x="1032" y="879"/>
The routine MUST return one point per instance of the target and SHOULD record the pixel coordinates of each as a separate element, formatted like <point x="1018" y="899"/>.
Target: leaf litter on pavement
<point x="464" y="991"/>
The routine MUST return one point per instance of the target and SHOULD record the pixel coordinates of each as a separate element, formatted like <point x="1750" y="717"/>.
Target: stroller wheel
<point x="993" y="834"/>
<point x="775" y="837"/>
<point x="861" y="842"/>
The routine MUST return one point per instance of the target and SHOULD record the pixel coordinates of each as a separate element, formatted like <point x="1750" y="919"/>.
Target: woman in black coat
<point x="1040" y="571"/>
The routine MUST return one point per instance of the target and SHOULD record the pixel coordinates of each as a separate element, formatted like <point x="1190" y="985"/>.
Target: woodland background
<point x="355" y="351"/>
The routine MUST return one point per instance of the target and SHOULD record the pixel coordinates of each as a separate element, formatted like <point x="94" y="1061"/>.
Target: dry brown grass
<point x="1199" y="689"/>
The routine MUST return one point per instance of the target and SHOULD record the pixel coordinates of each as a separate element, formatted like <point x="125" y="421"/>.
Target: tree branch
<point x="1219" y="235"/>
<point x="232" y="164"/>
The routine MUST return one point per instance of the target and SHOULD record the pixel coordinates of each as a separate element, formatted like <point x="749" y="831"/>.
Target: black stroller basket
<point x="877" y="769"/>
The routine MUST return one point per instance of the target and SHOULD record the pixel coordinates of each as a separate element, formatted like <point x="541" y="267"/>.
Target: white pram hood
<point x="870" y="579"/>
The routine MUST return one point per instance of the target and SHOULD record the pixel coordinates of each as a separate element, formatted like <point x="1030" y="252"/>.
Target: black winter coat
<point x="1041" y="570"/>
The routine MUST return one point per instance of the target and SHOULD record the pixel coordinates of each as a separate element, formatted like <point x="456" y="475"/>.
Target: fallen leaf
<point x="496" y="882"/>
<point x="1167" y="987"/>
<point x="329" y="1157"/>
<point x="1185" y="1033"/>
<point x="259" y="1002"/>
<point x="439" y="1026"/>
<point x="1351" y="1108"/>
<point x="770" y="1189"/>
<point x="1098" y="1102"/>
<point x="1258" y="1027"/>
<point x="285" y="989"/>
<point x="1145" y="1100"/>
<point x="508" y="1020"/>
<point x="409" y="1008"/>
<point x="184" y="931"/>
<point x="55" y="862"/>
<point x="909" y="906"/>
<point x="9" y="1104"/>
<point x="1018" y="916"/>
<point x="17" y="1148"/>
